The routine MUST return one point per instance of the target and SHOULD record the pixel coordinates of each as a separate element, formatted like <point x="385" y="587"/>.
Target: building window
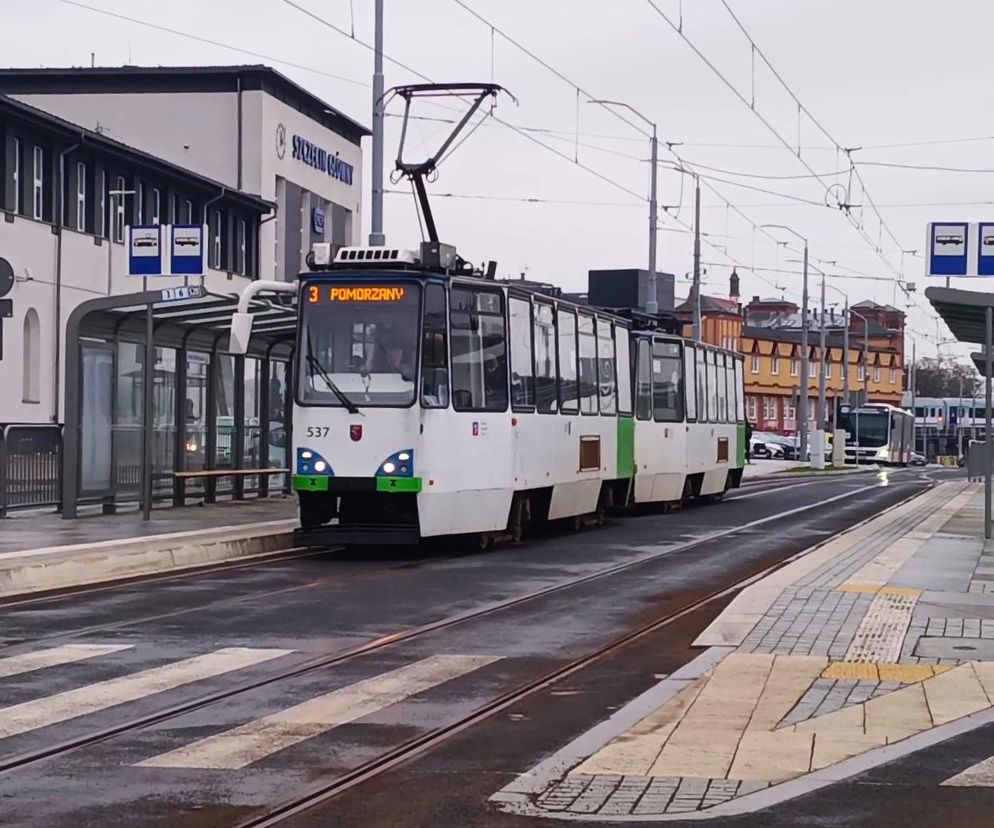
<point x="215" y="231"/>
<point x="81" y="197"/>
<point x="140" y="217"/>
<point x="188" y="212"/>
<point x="794" y="367"/>
<point x="876" y="373"/>
<point x="775" y="366"/>
<point x="861" y="372"/>
<point x="156" y="205"/>
<point x="38" y="189"/>
<point x="117" y="200"/>
<point x="240" y="246"/>
<point x="828" y="369"/>
<point x="17" y="175"/>
<point x="754" y="364"/>
<point x="814" y="367"/>
<point x="31" y="377"/>
<point x="769" y="408"/>
<point x="893" y="376"/>
<point x="103" y="204"/>
<point x="789" y="410"/>
<point x="751" y="408"/>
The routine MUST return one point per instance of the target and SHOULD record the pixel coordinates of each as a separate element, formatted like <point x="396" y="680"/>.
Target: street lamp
<point x="805" y="377"/>
<point x="651" y="305"/>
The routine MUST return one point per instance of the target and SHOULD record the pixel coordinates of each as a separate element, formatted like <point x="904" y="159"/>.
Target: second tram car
<point x="431" y="401"/>
<point x="877" y="433"/>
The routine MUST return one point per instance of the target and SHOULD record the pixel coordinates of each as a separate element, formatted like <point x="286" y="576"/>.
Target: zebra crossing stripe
<point x="31" y="715"/>
<point x="54" y="656"/>
<point x="248" y="743"/>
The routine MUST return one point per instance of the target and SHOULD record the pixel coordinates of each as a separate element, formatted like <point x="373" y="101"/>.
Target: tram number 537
<point x="318" y="431"/>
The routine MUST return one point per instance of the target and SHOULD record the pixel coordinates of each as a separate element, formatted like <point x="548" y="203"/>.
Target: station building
<point x="265" y="165"/>
<point x="248" y="127"/>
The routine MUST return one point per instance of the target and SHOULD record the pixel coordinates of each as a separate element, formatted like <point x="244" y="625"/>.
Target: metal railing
<point x="30" y="466"/>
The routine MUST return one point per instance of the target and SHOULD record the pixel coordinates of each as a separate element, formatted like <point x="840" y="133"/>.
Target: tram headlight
<point x="310" y="462"/>
<point x="398" y="464"/>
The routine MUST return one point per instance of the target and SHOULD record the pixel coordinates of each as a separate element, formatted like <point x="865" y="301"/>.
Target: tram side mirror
<point x="241" y="333"/>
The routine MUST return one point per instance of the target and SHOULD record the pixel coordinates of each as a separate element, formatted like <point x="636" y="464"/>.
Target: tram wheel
<point x="517" y="524"/>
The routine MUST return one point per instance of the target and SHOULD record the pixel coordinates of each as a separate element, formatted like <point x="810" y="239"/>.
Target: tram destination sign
<point x="355" y="293"/>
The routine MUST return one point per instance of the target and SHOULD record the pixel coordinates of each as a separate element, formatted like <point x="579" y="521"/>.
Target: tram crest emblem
<point x="355" y="433"/>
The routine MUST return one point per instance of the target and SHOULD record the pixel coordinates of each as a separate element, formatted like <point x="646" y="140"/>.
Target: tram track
<point x="327" y="660"/>
<point x="302" y="553"/>
<point x="327" y="790"/>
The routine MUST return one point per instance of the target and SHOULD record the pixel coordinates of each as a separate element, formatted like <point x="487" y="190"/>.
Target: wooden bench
<point x="179" y="494"/>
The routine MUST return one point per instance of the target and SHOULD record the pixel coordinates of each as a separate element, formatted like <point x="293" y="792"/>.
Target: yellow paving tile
<point x="691" y="752"/>
<point x="911" y="592"/>
<point x="905" y="673"/>
<point x="955" y="694"/>
<point x="772" y="757"/>
<point x="900" y="713"/>
<point x="984" y="671"/>
<point x="830" y="748"/>
<point x="634" y="752"/>
<point x="861" y="671"/>
<point x="789" y="678"/>
<point x="854" y="587"/>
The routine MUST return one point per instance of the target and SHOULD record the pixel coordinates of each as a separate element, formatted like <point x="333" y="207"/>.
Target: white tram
<point x="431" y="401"/>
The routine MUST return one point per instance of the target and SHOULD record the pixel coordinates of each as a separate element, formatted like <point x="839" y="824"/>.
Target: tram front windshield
<point x="358" y="343"/>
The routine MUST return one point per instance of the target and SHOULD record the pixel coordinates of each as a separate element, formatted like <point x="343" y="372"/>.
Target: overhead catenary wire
<point x="211" y="42"/>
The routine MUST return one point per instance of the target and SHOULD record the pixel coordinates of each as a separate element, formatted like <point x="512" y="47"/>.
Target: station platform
<point x="43" y="551"/>
<point x="868" y="647"/>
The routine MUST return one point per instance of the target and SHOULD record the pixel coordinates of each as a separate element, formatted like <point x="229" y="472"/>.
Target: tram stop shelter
<point x="969" y="314"/>
<point x="157" y="409"/>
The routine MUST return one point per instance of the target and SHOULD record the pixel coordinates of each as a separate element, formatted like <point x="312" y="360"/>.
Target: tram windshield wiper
<point x="316" y="365"/>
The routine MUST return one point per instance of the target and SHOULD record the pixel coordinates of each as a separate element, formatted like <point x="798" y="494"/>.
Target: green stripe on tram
<point x="626" y="447"/>
<point x="740" y="449"/>
<point x="310" y="482"/>
<point x="398" y="484"/>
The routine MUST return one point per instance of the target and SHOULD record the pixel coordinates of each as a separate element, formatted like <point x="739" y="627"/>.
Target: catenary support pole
<point x="697" y="257"/>
<point x="988" y="442"/>
<point x="376" y="236"/>
<point x="148" y="401"/>
<point x="651" y="303"/>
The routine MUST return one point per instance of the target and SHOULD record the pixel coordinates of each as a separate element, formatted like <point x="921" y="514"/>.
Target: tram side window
<point x="479" y="350"/>
<point x="721" y="374"/>
<point x="569" y="399"/>
<point x="739" y="392"/>
<point x="588" y="364"/>
<point x="643" y="381"/>
<point x="606" y="368"/>
<point x="690" y="381"/>
<point x="703" y="380"/>
<point x="624" y="368"/>
<point x="434" y="350"/>
<point x="522" y="367"/>
<point x="667" y="382"/>
<point x="546" y="385"/>
<point x="713" y="386"/>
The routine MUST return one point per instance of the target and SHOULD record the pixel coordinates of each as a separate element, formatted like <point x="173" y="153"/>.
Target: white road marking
<point x="248" y="743"/>
<point x="27" y="716"/>
<point x="54" y="656"/>
<point x="980" y="775"/>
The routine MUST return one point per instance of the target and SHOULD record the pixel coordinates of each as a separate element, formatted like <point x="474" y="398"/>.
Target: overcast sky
<point x="872" y="74"/>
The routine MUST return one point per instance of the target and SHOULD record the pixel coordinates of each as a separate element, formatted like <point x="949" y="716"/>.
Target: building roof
<point x="137" y="157"/>
<point x="710" y="304"/>
<point x="834" y="337"/>
<point x="121" y="79"/>
<point x="869" y="304"/>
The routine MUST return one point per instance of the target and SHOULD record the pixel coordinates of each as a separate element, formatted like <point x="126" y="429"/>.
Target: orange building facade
<point x="768" y="334"/>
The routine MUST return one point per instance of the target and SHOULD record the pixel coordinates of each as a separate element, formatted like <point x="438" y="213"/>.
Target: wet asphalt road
<point x="174" y="770"/>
